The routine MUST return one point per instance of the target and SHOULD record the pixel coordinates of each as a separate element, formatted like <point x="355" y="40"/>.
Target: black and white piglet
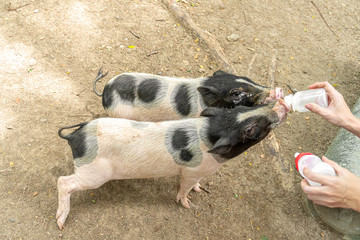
<point x="147" y="97"/>
<point x="113" y="148"/>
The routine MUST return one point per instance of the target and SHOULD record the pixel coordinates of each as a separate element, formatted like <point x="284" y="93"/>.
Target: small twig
<point x="272" y="67"/>
<point x="47" y="85"/>
<point x="245" y="18"/>
<point x="77" y="94"/>
<point x="160" y="20"/>
<point x="293" y="90"/>
<point x="137" y="36"/>
<point x="79" y="115"/>
<point x="251" y="63"/>
<point x="92" y="11"/>
<point x="265" y="191"/>
<point x="324" y="19"/>
<point x="251" y="224"/>
<point x="206" y="38"/>
<point x="15" y="8"/>
<point x="152" y="53"/>
<point x="205" y="190"/>
<point x="10" y="125"/>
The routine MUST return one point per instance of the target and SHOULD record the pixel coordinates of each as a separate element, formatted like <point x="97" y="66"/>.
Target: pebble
<point x="43" y="120"/>
<point x="233" y="37"/>
<point x="36" y="10"/>
<point x="12" y="220"/>
<point x="201" y="70"/>
<point x="32" y="62"/>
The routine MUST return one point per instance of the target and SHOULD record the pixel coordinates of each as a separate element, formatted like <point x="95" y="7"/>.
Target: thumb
<point x="316" y="108"/>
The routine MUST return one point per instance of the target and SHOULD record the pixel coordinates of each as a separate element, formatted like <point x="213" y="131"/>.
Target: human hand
<point x="337" y="113"/>
<point x="336" y="191"/>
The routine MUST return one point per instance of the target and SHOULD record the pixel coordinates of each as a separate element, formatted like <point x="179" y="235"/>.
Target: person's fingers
<point x="316" y="108"/>
<point x="330" y="90"/>
<point x="322" y="179"/>
<point x="338" y="169"/>
<point x="327" y="86"/>
<point x="317" y="85"/>
<point x="304" y="184"/>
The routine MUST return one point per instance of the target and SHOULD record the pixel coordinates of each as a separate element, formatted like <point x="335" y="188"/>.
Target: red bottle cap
<point x="298" y="158"/>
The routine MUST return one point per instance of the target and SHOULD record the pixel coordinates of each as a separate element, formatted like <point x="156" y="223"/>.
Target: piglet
<point x="147" y="97"/>
<point x="113" y="148"/>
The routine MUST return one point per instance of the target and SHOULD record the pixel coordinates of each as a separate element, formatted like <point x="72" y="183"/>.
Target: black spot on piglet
<point x="125" y="86"/>
<point x="186" y="155"/>
<point x="182" y="103"/>
<point x="179" y="140"/>
<point x="148" y="89"/>
<point x="107" y="97"/>
<point x="182" y="142"/>
<point x="76" y="140"/>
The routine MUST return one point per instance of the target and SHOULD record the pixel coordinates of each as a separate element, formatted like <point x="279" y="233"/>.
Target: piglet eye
<point x="236" y="94"/>
<point x="251" y="131"/>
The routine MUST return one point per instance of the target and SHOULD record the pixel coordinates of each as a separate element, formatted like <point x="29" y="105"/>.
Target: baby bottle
<point x="297" y="102"/>
<point x="315" y="164"/>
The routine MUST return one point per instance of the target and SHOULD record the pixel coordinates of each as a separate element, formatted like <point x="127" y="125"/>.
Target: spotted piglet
<point x="113" y="148"/>
<point x="147" y="97"/>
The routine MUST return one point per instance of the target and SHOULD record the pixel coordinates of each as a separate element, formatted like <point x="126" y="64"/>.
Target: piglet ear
<point x="208" y="112"/>
<point x="219" y="72"/>
<point x="209" y="94"/>
<point x="222" y="146"/>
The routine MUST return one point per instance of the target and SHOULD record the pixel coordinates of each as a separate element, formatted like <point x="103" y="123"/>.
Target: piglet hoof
<point x="61" y="218"/>
<point x="184" y="201"/>
<point x="197" y="187"/>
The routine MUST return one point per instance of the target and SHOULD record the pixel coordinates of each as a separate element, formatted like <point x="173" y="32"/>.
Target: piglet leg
<point x="187" y="183"/>
<point x="197" y="187"/>
<point x="87" y="177"/>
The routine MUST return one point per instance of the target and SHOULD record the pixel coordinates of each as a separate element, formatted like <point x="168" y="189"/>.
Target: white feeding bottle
<point x="297" y="102"/>
<point x="315" y="164"/>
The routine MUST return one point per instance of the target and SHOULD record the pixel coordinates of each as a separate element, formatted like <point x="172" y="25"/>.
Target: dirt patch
<point x="49" y="56"/>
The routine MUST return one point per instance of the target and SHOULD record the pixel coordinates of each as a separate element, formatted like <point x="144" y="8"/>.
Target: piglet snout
<point x="279" y="93"/>
<point x="276" y="93"/>
<point x="281" y="109"/>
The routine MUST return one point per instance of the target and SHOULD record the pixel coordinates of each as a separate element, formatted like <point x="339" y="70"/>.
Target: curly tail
<point x="67" y="137"/>
<point x="99" y="76"/>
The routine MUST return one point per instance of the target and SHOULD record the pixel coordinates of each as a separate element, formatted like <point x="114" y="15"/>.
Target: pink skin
<point x="337" y="113"/>
<point x="336" y="191"/>
<point x="342" y="190"/>
<point x="274" y="94"/>
<point x="116" y="143"/>
<point x="282" y="109"/>
<point x="112" y="162"/>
